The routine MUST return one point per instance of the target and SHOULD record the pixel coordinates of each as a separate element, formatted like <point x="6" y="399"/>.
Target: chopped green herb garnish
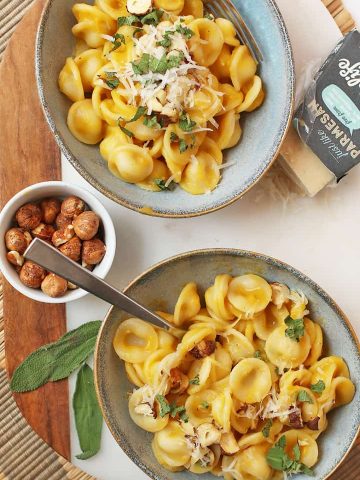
<point x="158" y="65"/>
<point x="318" y="387"/>
<point x="166" y="41"/>
<point x="111" y="80"/>
<point x="161" y="183"/>
<point x="141" y="66"/>
<point x="152" y="18"/>
<point x="266" y="430"/>
<point x="139" y="113"/>
<point x="195" y="380"/>
<point x="152" y="122"/>
<point x="129" y="20"/>
<point x="205" y="404"/>
<point x="257" y="354"/>
<point x="174" y="138"/>
<point x="185" y="31"/>
<point x="173" y="61"/>
<point x="126" y="131"/>
<point x="209" y="16"/>
<point x="303" y="396"/>
<point x="278" y="459"/>
<point x="171" y="408"/>
<point x="119" y="39"/>
<point x="183" y="146"/>
<point x="295" y="328"/>
<point x="185" y="123"/>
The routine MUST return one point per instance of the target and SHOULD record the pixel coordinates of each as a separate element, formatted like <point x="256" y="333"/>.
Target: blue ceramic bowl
<point x="159" y="287"/>
<point x="263" y="133"/>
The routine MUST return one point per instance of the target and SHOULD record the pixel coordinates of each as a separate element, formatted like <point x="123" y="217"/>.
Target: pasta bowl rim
<point x="117" y="197"/>
<point x="101" y="394"/>
<point x="32" y="193"/>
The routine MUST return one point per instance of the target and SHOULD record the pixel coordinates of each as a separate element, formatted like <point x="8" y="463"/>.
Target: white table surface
<point x="319" y="236"/>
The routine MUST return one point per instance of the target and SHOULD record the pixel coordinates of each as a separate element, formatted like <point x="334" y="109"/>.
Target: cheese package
<point x="324" y="142"/>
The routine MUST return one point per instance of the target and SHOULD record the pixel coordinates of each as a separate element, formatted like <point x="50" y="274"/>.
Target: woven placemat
<point x="23" y="454"/>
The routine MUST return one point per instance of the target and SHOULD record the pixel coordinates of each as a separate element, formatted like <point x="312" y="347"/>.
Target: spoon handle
<point x="51" y="259"/>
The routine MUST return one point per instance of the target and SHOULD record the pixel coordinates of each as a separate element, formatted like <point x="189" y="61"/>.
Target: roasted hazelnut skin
<point x="86" y="225"/>
<point x="63" y="235"/>
<point x="16" y="240"/>
<point x="72" y="206"/>
<point x="54" y="286"/>
<point x="44" y="232"/>
<point x="93" y="251"/>
<point x="72" y="249"/>
<point x="50" y="209"/>
<point x="32" y="274"/>
<point x="28" y="216"/>
<point x="62" y="221"/>
<point x="15" y="258"/>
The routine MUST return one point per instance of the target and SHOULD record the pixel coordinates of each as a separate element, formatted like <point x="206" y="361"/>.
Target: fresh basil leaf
<point x="281" y="442"/>
<point x="152" y="122"/>
<point x="278" y="459"/>
<point x="129" y="20"/>
<point x="56" y="360"/>
<point x="318" y="387"/>
<point x="152" y="18"/>
<point x="88" y="418"/>
<point x="126" y="131"/>
<point x="166" y="40"/>
<point x="139" y="113"/>
<point x="195" y="380"/>
<point x="266" y="430"/>
<point x="303" y="396"/>
<point x="295" y="328"/>
<point x="185" y="123"/>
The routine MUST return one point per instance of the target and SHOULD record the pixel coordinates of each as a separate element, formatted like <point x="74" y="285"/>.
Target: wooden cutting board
<point x="28" y="155"/>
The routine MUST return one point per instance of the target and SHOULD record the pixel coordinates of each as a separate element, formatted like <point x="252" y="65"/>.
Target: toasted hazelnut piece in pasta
<point x="242" y="66"/>
<point x="172" y="447"/>
<point x="285" y="352"/>
<point x="131" y="163"/>
<point x="135" y="340"/>
<point x="114" y="8"/>
<point x="207" y="41"/>
<point x="187" y="305"/>
<point x="70" y="81"/>
<point x="142" y="412"/>
<point x="83" y="122"/>
<point x="194" y="8"/>
<point x="250" y="380"/>
<point x="92" y="24"/>
<point x="249" y="293"/>
<point x="228" y="31"/>
<point x="201" y="175"/>
<point x="89" y="62"/>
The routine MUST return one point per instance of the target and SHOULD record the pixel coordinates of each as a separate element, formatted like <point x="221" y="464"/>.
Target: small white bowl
<point x="35" y="193"/>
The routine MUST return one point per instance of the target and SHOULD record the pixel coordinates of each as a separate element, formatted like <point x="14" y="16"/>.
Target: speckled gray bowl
<point x="159" y="287"/>
<point x="263" y="133"/>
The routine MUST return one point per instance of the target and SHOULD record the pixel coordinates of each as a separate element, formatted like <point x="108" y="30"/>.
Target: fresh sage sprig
<point x="56" y="360"/>
<point x="88" y="418"/>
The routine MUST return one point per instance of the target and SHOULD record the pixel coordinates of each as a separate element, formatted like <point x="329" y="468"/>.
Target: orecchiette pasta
<point x="242" y="392"/>
<point x="173" y="79"/>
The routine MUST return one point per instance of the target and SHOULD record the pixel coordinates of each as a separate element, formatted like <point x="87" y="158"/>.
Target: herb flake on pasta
<point x="318" y="387"/>
<point x="295" y="328"/>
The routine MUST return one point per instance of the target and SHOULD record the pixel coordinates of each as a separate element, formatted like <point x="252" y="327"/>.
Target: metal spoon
<point x="51" y="259"/>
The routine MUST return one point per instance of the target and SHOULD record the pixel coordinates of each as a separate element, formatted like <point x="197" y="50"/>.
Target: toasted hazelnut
<point x="54" y="286"/>
<point x="28" y="237"/>
<point x="179" y="382"/>
<point x="28" y="216"/>
<point x="88" y="267"/>
<point x="50" y="208"/>
<point x="16" y="240"/>
<point x="72" y="206"/>
<point x="44" y="232"/>
<point x="15" y="258"/>
<point x="138" y="7"/>
<point x="93" y="251"/>
<point x="62" y="221"/>
<point x="72" y="248"/>
<point x="203" y="349"/>
<point x="72" y="286"/>
<point x="86" y="225"/>
<point x="32" y="274"/>
<point x="63" y="235"/>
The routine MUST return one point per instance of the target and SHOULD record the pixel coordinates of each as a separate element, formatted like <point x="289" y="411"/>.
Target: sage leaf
<point x="88" y="418"/>
<point x="56" y="360"/>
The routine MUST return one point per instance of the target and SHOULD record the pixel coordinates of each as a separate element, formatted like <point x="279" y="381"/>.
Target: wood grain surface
<point x="29" y="155"/>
